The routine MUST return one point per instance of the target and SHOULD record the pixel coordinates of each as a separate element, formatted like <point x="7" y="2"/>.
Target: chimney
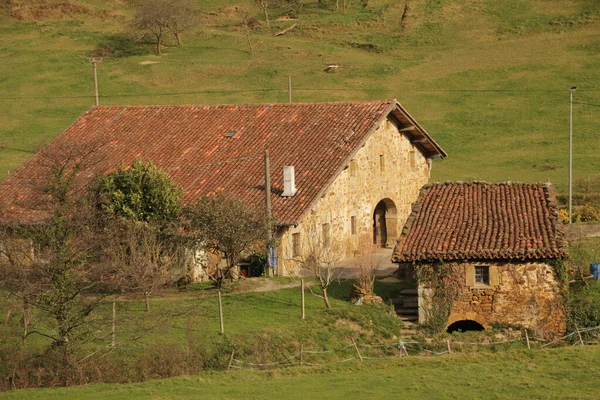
<point x="289" y="181"/>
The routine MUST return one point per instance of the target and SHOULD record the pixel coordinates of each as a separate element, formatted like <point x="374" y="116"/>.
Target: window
<point x="325" y="235"/>
<point x="353" y="225"/>
<point x="482" y="275"/>
<point x="353" y="167"/>
<point x="295" y="244"/>
<point x="381" y="162"/>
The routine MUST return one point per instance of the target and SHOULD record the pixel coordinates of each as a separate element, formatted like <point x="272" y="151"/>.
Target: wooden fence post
<point x="301" y="354"/>
<point x="448" y="344"/>
<point x="527" y="339"/>
<point x="302" y="298"/>
<point x="222" y="328"/>
<point x="114" y="324"/>
<point x="579" y="334"/>
<point x="230" y="359"/>
<point x="356" y="348"/>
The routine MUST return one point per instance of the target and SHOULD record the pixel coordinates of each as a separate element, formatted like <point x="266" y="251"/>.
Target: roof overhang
<point x="416" y="134"/>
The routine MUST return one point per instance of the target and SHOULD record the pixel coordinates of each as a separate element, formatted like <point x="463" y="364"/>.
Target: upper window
<point x="295" y="244"/>
<point x="482" y="275"/>
<point x="381" y="162"/>
<point x="353" y="225"/>
<point x="353" y="167"/>
<point x="326" y="239"/>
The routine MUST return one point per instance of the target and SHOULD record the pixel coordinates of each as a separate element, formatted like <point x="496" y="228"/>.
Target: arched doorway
<point x="385" y="225"/>
<point x="464" y="326"/>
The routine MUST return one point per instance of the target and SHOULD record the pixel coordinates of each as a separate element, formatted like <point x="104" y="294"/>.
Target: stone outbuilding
<point x="357" y="166"/>
<point x="501" y="247"/>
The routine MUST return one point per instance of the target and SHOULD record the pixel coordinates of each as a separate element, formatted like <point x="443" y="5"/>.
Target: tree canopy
<point x="139" y="193"/>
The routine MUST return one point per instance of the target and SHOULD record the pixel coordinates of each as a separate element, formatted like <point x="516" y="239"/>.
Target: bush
<point x="583" y="313"/>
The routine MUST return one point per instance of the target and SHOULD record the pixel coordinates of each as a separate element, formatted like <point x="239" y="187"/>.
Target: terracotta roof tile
<point x="452" y="221"/>
<point x="190" y="143"/>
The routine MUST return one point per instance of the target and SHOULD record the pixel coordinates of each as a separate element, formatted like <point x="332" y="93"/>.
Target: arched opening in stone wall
<point x="385" y="224"/>
<point x="464" y="326"/>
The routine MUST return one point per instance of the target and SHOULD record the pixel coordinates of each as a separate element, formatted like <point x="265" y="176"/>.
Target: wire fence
<point x="427" y="347"/>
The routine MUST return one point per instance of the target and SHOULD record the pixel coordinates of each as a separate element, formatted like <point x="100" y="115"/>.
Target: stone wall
<point x="526" y="294"/>
<point x="355" y="193"/>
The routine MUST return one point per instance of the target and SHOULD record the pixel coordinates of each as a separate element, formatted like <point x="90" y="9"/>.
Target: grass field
<point x="565" y="373"/>
<point x="489" y="80"/>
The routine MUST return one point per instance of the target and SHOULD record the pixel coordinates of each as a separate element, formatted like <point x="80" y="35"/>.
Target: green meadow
<point x="488" y="80"/>
<point x="544" y="374"/>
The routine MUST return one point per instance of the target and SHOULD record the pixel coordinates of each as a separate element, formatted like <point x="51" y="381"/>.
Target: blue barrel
<point x="595" y="270"/>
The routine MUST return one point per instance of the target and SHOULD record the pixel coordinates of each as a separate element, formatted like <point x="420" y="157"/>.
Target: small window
<point x="353" y="225"/>
<point x="482" y="275"/>
<point x="353" y="168"/>
<point x="413" y="158"/>
<point x="381" y="162"/>
<point x="325" y="236"/>
<point x="295" y="244"/>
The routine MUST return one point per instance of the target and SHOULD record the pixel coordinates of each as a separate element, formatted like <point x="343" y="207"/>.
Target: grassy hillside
<point x="545" y="374"/>
<point x="488" y="79"/>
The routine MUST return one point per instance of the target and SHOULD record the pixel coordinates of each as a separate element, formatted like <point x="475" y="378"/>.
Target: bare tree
<point x="181" y="18"/>
<point x="264" y="7"/>
<point x="160" y="17"/>
<point x="228" y="226"/>
<point x="138" y="258"/>
<point x="48" y="264"/>
<point x="292" y="6"/>
<point x="319" y="254"/>
<point x="366" y="265"/>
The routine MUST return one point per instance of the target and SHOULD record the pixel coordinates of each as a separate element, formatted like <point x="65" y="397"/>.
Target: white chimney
<point x="289" y="181"/>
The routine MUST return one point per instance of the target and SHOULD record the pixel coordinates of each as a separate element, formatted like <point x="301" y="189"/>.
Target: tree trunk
<point x="147" y="300"/>
<point x="248" y="37"/>
<point x="158" y="45"/>
<point x="25" y="322"/>
<point x="266" y="12"/>
<point x="326" y="299"/>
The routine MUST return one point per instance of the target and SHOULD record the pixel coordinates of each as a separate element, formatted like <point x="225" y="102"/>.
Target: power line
<point x="220" y="91"/>
<point x="586" y="104"/>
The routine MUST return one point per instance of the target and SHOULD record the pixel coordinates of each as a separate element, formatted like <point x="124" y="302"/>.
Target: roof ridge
<point x="221" y="105"/>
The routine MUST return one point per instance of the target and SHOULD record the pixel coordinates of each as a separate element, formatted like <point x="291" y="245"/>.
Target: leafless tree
<point x="48" y="263"/>
<point x="321" y="256"/>
<point x="264" y="7"/>
<point x="138" y="258"/>
<point x="160" y="17"/>
<point x="292" y="6"/>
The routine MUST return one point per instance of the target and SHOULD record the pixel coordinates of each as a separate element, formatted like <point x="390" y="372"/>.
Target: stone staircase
<point x="407" y="305"/>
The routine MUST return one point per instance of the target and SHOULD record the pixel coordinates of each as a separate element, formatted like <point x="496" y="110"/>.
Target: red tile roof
<point x="190" y="143"/>
<point x="458" y="221"/>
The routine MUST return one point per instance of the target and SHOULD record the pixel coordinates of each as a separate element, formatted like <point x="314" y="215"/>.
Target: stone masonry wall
<point x="356" y="192"/>
<point x="525" y="294"/>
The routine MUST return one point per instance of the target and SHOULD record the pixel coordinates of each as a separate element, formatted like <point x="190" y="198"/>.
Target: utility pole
<point x="289" y="89"/>
<point x="270" y="249"/>
<point x="572" y="90"/>
<point x="95" y="61"/>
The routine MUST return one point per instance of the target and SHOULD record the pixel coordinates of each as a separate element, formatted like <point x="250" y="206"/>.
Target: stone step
<point x="409" y="318"/>
<point x="411" y="302"/>
<point x="409" y="292"/>
<point x="407" y="311"/>
<point x="408" y="332"/>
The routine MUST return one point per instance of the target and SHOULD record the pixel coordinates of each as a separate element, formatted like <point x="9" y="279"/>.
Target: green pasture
<point x="563" y="373"/>
<point x="489" y="80"/>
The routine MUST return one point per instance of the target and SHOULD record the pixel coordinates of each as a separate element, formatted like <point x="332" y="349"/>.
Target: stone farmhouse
<point x="357" y="166"/>
<point x="504" y="246"/>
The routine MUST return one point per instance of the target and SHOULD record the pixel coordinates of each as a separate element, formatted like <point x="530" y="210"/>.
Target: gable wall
<point x="406" y="171"/>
